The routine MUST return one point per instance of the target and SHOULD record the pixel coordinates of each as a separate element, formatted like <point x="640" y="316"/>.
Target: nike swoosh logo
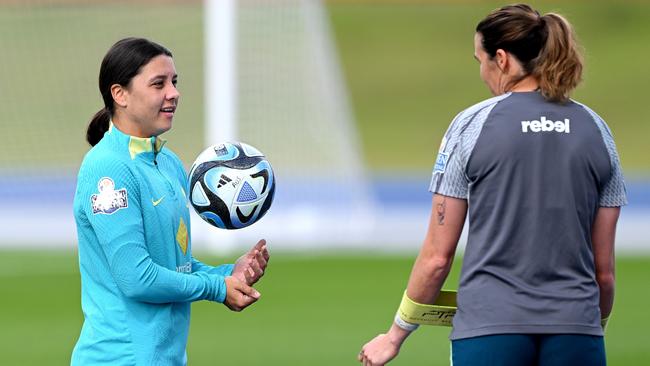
<point x="156" y="203"/>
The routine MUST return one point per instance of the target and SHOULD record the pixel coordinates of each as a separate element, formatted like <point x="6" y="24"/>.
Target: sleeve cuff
<point x="221" y="289"/>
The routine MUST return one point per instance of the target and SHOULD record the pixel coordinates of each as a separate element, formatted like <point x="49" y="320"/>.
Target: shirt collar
<point x="145" y="146"/>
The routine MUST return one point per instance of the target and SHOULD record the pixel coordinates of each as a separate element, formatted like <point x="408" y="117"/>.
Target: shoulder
<point x="473" y="110"/>
<point x="600" y="122"/>
<point x="470" y="113"/>
<point x="101" y="162"/>
<point x="475" y="113"/>
<point x="586" y="109"/>
<point x="101" y="158"/>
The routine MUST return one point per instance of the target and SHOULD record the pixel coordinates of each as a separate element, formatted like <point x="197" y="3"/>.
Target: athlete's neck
<point x="529" y="83"/>
<point x="127" y="127"/>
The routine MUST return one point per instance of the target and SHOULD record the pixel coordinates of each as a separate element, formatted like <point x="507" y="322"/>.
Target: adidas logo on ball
<point x="546" y="125"/>
<point x="223" y="180"/>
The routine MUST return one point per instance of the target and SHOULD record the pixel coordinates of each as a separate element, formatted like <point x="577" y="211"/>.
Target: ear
<point x="501" y="59"/>
<point x="119" y="94"/>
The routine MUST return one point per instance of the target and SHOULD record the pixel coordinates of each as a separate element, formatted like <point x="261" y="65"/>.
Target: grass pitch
<point x="315" y="310"/>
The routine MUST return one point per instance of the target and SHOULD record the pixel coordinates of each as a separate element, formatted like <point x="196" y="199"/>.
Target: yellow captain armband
<point x="441" y="312"/>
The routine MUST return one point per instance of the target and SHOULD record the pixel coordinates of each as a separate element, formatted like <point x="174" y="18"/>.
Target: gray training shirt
<point x="534" y="174"/>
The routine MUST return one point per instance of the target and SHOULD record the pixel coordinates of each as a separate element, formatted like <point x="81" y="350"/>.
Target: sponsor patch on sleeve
<point x="441" y="162"/>
<point x="108" y="200"/>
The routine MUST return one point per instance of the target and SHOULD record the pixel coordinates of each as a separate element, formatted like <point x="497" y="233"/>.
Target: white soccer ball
<point x="231" y="185"/>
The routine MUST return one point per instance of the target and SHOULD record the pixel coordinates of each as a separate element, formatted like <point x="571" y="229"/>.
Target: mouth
<point x="168" y="111"/>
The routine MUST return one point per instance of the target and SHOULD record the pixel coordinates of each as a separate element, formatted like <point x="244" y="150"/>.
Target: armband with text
<point x="441" y="312"/>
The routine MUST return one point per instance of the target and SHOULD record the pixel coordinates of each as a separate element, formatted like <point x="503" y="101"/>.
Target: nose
<point x="172" y="93"/>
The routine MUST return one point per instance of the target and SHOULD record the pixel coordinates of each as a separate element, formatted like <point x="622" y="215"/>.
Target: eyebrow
<point x="162" y="76"/>
<point x="476" y="58"/>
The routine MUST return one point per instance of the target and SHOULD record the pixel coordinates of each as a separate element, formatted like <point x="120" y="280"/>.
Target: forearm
<point x="139" y="278"/>
<point x="434" y="262"/>
<point x="427" y="277"/>
<point x="437" y="254"/>
<point x="606" y="286"/>
<point x="603" y="238"/>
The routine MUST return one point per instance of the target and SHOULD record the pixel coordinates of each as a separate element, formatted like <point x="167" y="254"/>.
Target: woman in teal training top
<point x="138" y="276"/>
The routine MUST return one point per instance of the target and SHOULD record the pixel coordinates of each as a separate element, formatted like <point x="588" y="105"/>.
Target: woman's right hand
<point x="251" y="266"/>
<point x="239" y="295"/>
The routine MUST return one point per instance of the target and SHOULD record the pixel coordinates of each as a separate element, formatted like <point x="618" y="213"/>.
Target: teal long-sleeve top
<point x="138" y="276"/>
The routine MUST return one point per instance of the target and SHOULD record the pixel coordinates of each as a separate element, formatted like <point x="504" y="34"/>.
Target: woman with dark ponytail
<point x="539" y="178"/>
<point x="138" y="275"/>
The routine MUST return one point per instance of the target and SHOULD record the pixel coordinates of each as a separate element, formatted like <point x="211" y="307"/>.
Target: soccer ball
<point x="231" y="185"/>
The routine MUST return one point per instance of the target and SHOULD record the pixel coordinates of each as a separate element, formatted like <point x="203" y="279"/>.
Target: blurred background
<point x="349" y="100"/>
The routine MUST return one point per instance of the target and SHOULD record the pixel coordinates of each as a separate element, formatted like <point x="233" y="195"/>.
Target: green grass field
<point x="315" y="310"/>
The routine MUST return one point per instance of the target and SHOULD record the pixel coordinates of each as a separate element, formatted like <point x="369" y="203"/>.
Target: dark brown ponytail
<point x="122" y="62"/>
<point x="559" y="65"/>
<point x="545" y="46"/>
<point x="98" y="126"/>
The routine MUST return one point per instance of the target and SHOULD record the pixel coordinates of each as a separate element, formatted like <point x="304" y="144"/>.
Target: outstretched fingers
<point x="262" y="258"/>
<point x="265" y="252"/>
<point x="261" y="248"/>
<point x="256" y="266"/>
<point x="259" y="245"/>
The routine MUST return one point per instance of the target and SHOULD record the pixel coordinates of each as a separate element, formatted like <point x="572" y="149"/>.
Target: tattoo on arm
<point x="440" y="209"/>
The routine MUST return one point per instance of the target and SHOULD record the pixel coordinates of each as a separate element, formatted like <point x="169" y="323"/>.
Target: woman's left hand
<point x="378" y="351"/>
<point x="250" y="267"/>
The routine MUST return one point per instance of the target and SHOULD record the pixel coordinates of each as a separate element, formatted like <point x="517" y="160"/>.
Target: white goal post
<point x="273" y="81"/>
